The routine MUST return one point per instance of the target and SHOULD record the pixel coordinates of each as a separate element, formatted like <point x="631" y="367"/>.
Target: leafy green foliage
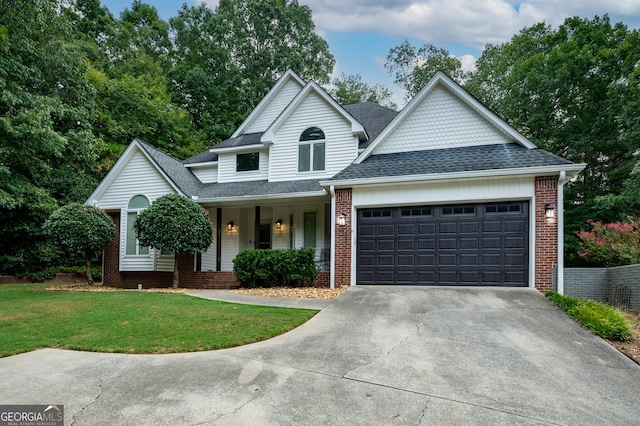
<point x="175" y="224"/>
<point x="413" y="68"/>
<point x="611" y="244"/>
<point x="80" y="232"/>
<point x="572" y="91"/>
<point x="274" y="268"/>
<point x="350" y="89"/>
<point x="132" y="321"/>
<point x="603" y="320"/>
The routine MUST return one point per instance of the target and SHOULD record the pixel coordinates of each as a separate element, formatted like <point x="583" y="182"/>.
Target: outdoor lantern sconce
<point x="230" y="226"/>
<point x="278" y="224"/>
<point x="549" y="211"/>
<point x="342" y="219"/>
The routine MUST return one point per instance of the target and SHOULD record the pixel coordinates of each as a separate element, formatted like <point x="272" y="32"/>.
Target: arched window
<point x="311" y="150"/>
<point x="136" y="205"/>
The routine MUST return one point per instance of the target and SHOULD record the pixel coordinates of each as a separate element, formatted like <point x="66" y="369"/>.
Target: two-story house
<point x="442" y="193"/>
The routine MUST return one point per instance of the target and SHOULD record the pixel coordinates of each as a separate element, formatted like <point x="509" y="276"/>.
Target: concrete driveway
<point x="375" y="356"/>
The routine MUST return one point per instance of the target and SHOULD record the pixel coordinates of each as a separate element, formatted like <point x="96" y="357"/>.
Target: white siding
<point x="149" y="262"/>
<point x="163" y="263"/>
<point x="442" y="120"/>
<point x="273" y="109"/>
<point x="206" y="174"/>
<point x="138" y="176"/>
<point x="227" y="168"/>
<point x="280" y="237"/>
<point x="457" y="191"/>
<point x="341" y="145"/>
<point x="209" y="257"/>
<point x="230" y="243"/>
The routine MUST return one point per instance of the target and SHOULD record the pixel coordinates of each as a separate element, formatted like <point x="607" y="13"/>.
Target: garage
<point x="464" y="245"/>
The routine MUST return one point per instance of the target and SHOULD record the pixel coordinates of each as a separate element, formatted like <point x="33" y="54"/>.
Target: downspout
<point x="332" y="255"/>
<point x="560" y="278"/>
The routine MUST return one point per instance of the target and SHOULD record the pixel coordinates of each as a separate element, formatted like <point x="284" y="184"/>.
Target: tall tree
<point x="572" y="91"/>
<point x="227" y="60"/>
<point x="48" y="152"/>
<point x="350" y="89"/>
<point x="413" y="68"/>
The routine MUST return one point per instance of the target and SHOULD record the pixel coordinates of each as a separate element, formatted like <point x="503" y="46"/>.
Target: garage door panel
<point x="426" y="243"/>
<point x="449" y="243"/>
<point x="469" y="227"/>
<point x="483" y="244"/>
<point x="448" y="228"/>
<point x="469" y="243"/>
<point x="384" y="245"/>
<point x="406" y="229"/>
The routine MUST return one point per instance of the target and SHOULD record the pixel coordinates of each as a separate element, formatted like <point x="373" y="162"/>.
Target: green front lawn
<point x="132" y="321"/>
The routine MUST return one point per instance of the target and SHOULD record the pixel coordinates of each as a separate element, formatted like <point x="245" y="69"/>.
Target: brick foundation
<point x="546" y="246"/>
<point x="189" y="278"/>
<point x="343" y="242"/>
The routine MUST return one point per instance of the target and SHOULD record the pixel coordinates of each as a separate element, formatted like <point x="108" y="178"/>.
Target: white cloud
<point x="468" y="63"/>
<point x="474" y="22"/>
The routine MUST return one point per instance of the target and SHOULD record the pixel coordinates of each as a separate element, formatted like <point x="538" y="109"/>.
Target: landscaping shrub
<point x="611" y="244"/>
<point x="603" y="320"/>
<point x="275" y="268"/>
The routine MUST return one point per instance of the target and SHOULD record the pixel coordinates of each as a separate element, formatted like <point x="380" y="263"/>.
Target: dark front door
<point x="475" y="244"/>
<point x="265" y="236"/>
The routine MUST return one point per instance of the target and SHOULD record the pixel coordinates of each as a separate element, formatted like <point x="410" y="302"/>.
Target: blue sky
<point x="361" y="32"/>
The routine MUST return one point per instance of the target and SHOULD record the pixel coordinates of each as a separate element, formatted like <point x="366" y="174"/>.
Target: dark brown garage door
<point x="475" y="245"/>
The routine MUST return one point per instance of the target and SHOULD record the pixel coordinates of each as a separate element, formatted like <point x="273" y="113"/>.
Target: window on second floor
<point x="311" y="150"/>
<point x="248" y="162"/>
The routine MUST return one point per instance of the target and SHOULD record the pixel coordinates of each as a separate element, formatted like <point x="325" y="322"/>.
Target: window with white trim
<point x="137" y="204"/>
<point x="311" y="150"/>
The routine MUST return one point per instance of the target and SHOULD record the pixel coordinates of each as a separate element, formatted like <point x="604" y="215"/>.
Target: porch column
<point x="546" y="231"/>
<point x="343" y="238"/>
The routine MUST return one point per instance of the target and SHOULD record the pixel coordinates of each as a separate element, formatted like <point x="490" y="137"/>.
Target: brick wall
<point x="111" y="275"/>
<point x="546" y="245"/>
<point x="343" y="244"/>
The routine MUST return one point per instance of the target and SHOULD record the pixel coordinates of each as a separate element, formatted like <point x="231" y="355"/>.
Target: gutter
<point x="573" y="169"/>
<point x="562" y="180"/>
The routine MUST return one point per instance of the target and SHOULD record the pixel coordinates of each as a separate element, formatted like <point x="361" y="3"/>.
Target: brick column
<point x="111" y="267"/>
<point x="546" y="232"/>
<point x="342" y="245"/>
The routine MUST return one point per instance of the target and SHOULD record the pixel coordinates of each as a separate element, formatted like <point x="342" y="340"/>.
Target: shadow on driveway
<point x="376" y="355"/>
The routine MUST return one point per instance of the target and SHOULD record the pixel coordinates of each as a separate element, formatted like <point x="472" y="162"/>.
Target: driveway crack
<point x="101" y="383"/>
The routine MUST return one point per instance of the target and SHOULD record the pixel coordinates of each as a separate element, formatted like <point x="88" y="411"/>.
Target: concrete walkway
<point x="375" y="356"/>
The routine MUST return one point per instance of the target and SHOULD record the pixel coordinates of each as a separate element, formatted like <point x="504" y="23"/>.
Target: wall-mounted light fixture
<point x="230" y="226"/>
<point x="549" y="211"/>
<point x="278" y="224"/>
<point x="342" y="219"/>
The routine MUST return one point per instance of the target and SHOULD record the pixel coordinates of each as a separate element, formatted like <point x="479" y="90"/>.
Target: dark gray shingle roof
<point x="175" y="170"/>
<point x="258" y="188"/>
<point x="451" y="160"/>
<point x="372" y="116"/>
<point x="242" y="140"/>
<point x="203" y="157"/>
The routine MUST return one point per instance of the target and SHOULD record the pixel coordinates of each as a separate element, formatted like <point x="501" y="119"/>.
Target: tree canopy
<point x="175" y="224"/>
<point x="80" y="232"/>
<point x="573" y="91"/>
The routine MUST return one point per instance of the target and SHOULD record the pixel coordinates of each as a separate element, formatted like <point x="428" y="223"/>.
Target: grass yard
<point x="132" y="321"/>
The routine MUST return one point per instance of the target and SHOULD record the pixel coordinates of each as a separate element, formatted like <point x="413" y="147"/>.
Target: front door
<point x="265" y="236"/>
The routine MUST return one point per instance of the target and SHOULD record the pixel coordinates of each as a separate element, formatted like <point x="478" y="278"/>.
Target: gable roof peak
<point x="288" y="76"/>
<point x="440" y="79"/>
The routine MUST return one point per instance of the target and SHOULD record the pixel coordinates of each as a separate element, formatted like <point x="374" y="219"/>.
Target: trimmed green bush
<point x="603" y="320"/>
<point x="275" y="268"/>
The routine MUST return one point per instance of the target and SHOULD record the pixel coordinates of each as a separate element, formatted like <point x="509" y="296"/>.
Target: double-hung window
<point x="311" y="150"/>
<point x="136" y="205"/>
